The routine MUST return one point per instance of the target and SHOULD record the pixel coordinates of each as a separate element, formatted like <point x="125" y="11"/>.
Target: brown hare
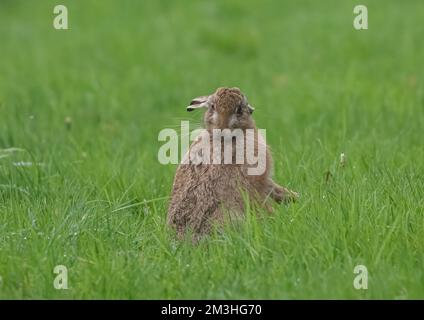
<point x="203" y="191"/>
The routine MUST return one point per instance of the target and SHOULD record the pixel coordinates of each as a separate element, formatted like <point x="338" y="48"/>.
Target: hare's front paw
<point x="281" y="194"/>
<point x="291" y="196"/>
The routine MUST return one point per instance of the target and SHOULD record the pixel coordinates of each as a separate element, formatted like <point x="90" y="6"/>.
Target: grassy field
<point x="80" y="113"/>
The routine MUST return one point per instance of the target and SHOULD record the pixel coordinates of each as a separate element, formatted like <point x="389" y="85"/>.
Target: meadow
<point x="81" y="185"/>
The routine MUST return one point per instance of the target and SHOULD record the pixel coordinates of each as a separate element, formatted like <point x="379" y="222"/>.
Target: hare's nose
<point x="232" y="121"/>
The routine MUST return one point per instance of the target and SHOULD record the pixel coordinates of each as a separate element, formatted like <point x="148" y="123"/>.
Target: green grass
<point x="127" y="69"/>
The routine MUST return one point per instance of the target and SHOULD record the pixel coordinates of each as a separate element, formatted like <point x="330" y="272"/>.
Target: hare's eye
<point x="213" y="107"/>
<point x="239" y="110"/>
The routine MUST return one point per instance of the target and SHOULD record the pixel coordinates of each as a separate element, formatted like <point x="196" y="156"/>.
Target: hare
<point x="204" y="191"/>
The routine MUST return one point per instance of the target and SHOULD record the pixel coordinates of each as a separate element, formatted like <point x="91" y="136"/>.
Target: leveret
<point x="203" y="193"/>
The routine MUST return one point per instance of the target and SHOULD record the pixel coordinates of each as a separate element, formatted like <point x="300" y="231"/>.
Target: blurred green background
<point x="80" y="111"/>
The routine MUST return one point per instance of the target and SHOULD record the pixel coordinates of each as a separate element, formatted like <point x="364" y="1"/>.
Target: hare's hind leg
<point x="281" y="194"/>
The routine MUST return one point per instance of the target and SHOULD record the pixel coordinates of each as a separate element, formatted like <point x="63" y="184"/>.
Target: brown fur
<point x="202" y="193"/>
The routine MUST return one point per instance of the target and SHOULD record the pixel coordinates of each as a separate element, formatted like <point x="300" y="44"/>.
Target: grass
<point x="81" y="186"/>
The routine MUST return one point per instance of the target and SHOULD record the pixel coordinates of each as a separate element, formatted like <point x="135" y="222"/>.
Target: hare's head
<point x="227" y="108"/>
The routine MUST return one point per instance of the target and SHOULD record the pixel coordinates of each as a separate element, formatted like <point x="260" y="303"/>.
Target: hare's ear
<point x="199" y="102"/>
<point x="249" y="107"/>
